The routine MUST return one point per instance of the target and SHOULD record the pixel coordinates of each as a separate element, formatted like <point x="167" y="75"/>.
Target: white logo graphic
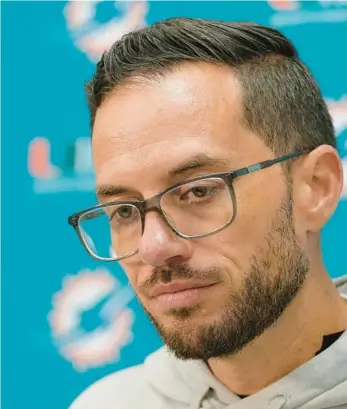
<point x="295" y="12"/>
<point x="94" y="38"/>
<point x="97" y="293"/>
<point x="338" y="112"/>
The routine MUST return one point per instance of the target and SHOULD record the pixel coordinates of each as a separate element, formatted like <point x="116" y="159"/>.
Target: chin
<point x="186" y="320"/>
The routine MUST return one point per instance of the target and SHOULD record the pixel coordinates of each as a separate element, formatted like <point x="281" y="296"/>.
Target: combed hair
<point x="281" y="101"/>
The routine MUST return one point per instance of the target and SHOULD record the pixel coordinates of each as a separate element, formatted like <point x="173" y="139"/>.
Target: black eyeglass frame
<point x="153" y="203"/>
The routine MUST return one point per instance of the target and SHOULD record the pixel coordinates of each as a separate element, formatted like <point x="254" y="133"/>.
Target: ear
<point x="318" y="181"/>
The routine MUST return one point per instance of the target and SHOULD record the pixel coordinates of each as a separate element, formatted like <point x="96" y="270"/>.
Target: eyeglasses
<point x="195" y="208"/>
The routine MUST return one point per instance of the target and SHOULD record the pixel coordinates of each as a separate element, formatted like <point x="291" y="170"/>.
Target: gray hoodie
<point x="164" y="382"/>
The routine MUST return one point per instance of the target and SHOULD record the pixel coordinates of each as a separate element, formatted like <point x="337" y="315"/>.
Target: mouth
<point x="179" y="294"/>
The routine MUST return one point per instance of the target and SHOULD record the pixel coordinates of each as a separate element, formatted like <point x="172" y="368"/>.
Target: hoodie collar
<point x="190" y="381"/>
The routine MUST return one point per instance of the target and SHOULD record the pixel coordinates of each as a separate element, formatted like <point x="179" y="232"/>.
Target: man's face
<point x="247" y="273"/>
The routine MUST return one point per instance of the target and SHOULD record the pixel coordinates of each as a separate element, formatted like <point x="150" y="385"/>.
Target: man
<point x="216" y="171"/>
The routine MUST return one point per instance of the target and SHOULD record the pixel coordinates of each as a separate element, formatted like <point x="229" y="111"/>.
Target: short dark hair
<point x="282" y="102"/>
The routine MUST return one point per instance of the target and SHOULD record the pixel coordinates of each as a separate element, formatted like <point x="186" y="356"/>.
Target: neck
<point x="318" y="310"/>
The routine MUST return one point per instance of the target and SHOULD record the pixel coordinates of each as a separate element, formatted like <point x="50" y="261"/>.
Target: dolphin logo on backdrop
<point x="284" y="4"/>
<point x="338" y="112"/>
<point x="93" y="37"/>
<point x="297" y="12"/>
<point x="90" y="320"/>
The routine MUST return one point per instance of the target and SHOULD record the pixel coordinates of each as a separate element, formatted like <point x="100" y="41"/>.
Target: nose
<point x="159" y="245"/>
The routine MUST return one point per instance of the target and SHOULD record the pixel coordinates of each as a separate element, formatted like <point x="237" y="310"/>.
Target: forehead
<point x="148" y="126"/>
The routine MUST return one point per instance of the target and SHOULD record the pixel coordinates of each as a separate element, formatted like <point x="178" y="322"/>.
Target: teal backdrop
<point x="68" y="320"/>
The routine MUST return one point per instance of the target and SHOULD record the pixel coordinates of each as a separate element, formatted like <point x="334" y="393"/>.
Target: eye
<point x="123" y="213"/>
<point x="200" y="191"/>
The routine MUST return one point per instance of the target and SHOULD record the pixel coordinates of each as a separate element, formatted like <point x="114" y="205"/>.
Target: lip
<point x="180" y="294"/>
<point x="176" y="287"/>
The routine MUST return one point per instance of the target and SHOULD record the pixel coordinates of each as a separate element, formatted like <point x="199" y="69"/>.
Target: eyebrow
<point x="195" y="162"/>
<point x="198" y="161"/>
<point x="105" y="191"/>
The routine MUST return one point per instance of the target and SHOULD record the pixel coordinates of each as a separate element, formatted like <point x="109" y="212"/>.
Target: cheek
<point x="300" y="227"/>
<point x="130" y="272"/>
<point x="244" y="238"/>
<point x="136" y="272"/>
<point x="136" y="275"/>
<point x="258" y="201"/>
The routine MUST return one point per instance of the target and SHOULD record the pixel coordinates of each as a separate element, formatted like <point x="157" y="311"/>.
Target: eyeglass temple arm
<point x="267" y="163"/>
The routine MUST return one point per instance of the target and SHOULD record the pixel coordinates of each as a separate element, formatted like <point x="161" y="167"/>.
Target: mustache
<point x="165" y="275"/>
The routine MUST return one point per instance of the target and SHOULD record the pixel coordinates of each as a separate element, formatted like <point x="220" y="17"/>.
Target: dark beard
<point x="270" y="285"/>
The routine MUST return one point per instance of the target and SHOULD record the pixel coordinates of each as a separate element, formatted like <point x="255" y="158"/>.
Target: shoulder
<point x="136" y="387"/>
<point x="123" y="390"/>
